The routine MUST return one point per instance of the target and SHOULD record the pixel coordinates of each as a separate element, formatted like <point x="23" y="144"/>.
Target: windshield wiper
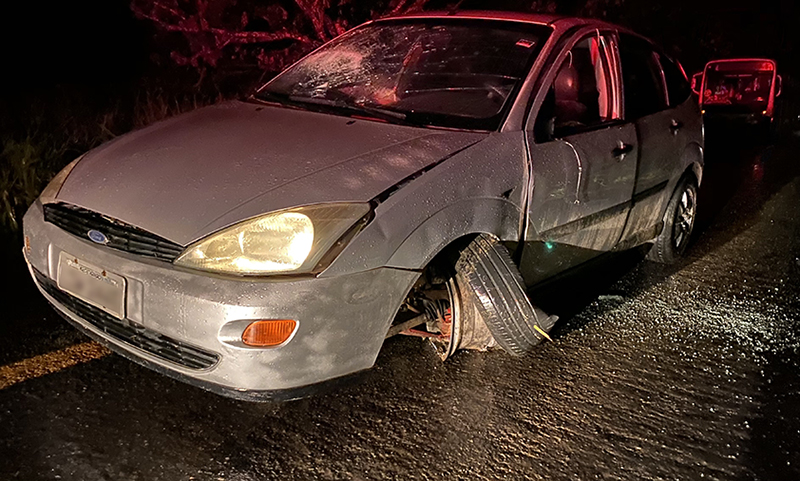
<point x="271" y="97"/>
<point x="313" y="103"/>
<point x="377" y="112"/>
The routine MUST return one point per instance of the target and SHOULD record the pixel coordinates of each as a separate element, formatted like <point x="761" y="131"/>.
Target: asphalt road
<point x="655" y="372"/>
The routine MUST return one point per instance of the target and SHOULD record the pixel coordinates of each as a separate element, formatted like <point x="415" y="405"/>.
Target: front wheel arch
<point x="469" y="217"/>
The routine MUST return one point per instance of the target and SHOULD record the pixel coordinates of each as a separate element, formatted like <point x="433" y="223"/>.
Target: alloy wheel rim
<point x="684" y="219"/>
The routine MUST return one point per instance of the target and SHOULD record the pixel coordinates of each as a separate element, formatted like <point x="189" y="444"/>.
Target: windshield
<point x="453" y="73"/>
<point x="738" y="83"/>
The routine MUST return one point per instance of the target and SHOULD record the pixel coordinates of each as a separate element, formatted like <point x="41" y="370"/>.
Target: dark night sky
<point x="90" y="42"/>
<point x="100" y="42"/>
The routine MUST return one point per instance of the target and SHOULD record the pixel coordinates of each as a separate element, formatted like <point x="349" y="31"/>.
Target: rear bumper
<point x="172" y="313"/>
<point x="723" y="118"/>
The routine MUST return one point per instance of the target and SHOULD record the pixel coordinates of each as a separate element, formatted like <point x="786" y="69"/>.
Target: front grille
<point x="79" y="221"/>
<point x="162" y="346"/>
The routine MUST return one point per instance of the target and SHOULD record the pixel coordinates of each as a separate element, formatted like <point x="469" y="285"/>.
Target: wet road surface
<point x="657" y="372"/>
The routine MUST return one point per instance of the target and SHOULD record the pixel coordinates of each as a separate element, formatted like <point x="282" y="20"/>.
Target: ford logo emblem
<point x="97" y="237"/>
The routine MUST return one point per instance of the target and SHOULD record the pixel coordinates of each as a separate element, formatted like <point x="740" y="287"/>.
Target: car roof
<point x="728" y="60"/>
<point x="537" y="18"/>
<point x="558" y="21"/>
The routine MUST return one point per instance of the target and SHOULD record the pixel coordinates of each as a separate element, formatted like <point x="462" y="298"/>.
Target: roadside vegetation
<point x="52" y="130"/>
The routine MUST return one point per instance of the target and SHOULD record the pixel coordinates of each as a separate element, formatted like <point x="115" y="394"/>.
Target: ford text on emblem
<point x="97" y="237"/>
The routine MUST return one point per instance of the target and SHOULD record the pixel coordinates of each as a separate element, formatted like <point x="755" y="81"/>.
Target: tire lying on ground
<point x="486" y="267"/>
<point x="679" y="221"/>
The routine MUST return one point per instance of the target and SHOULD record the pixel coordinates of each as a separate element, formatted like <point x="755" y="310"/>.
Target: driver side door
<point x="583" y="158"/>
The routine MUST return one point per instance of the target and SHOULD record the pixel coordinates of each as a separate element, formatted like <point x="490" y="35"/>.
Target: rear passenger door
<point x="659" y="126"/>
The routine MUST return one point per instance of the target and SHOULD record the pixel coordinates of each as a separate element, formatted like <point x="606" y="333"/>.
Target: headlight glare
<point x="289" y="241"/>
<point x="272" y="243"/>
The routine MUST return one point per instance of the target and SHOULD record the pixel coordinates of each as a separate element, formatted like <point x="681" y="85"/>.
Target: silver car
<point x="415" y="175"/>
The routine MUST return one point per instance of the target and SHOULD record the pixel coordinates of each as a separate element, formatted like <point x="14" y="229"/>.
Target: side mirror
<point x="550" y="128"/>
<point x="697" y="82"/>
<point x="778" y="85"/>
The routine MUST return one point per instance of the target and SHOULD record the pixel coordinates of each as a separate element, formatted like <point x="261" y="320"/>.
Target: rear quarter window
<point x="642" y="83"/>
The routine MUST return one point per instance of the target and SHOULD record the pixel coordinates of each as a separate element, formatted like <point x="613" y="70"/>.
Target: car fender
<point x="469" y="216"/>
<point x="479" y="190"/>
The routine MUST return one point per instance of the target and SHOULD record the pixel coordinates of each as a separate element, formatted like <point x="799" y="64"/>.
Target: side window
<point x="581" y="96"/>
<point x="678" y="88"/>
<point x="642" y="80"/>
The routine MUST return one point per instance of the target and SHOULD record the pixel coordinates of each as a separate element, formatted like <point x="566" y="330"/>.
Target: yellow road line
<point x="49" y="363"/>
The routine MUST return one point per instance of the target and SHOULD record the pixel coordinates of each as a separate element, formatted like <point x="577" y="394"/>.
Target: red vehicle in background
<point x="739" y="90"/>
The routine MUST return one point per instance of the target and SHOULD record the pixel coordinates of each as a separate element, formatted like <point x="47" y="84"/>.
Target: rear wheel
<point x="679" y="221"/>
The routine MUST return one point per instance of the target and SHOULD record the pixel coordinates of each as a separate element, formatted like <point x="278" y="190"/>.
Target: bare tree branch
<point x="212" y="36"/>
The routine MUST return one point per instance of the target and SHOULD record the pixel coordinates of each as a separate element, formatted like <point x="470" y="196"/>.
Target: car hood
<point x="189" y="176"/>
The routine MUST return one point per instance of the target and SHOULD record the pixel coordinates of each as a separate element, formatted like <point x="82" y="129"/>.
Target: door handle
<point x="621" y="150"/>
<point x="675" y="126"/>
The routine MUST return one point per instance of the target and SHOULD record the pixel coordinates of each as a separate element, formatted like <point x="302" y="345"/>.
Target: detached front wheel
<point x="495" y="284"/>
<point x="476" y="299"/>
<point x="679" y="220"/>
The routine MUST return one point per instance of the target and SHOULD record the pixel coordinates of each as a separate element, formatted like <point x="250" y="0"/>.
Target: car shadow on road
<point x="741" y="174"/>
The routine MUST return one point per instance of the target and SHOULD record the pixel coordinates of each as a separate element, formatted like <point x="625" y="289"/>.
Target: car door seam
<point x="580" y="172"/>
<point x="528" y="192"/>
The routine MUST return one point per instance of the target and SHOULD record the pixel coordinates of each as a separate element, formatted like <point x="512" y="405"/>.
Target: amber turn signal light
<point x="269" y="333"/>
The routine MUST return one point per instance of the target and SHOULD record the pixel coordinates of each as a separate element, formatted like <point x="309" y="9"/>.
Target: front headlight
<point x="288" y="241"/>
<point x="50" y="192"/>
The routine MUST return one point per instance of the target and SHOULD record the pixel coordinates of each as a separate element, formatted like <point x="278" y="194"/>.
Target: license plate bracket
<point x="92" y="284"/>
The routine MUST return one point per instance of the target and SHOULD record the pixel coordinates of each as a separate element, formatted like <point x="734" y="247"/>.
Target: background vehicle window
<point x="739" y="83"/>
<point x="641" y="78"/>
<point x="580" y="97"/>
<point x="677" y="83"/>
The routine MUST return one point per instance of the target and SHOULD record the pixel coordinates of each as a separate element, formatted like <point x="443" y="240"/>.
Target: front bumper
<point x="342" y="320"/>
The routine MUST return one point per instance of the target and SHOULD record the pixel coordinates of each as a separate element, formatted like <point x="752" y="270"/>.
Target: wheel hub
<point x="684" y="219"/>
